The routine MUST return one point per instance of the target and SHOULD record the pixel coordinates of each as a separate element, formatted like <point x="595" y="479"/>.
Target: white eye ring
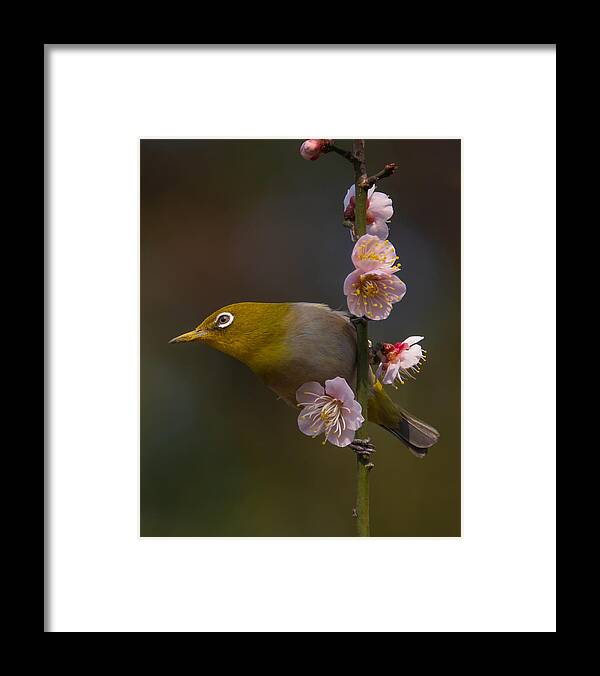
<point x="223" y="320"/>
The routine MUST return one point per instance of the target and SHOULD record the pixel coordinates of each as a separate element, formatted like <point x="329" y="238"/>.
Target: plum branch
<point x="356" y="220"/>
<point x="363" y="461"/>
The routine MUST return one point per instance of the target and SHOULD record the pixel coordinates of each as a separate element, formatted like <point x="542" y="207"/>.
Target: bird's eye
<point x="224" y="319"/>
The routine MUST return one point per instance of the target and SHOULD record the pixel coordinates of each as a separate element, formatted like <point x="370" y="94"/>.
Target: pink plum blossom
<point x="400" y="359"/>
<point x="371" y="253"/>
<point x="331" y="410"/>
<point x="371" y="294"/>
<point x="313" y="148"/>
<point x="379" y="211"/>
<point x="373" y="287"/>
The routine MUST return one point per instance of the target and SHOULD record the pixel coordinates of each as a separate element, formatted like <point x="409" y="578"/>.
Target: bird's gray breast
<point x="321" y="344"/>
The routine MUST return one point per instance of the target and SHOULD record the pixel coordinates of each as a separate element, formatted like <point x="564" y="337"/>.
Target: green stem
<point x="364" y="465"/>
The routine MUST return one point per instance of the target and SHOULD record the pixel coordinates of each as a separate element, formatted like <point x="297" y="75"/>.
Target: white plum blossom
<point x="400" y="359"/>
<point x="379" y="211"/>
<point x="331" y="410"/>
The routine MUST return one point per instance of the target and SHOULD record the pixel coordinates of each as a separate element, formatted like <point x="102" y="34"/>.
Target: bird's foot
<point x="362" y="446"/>
<point x="363" y="449"/>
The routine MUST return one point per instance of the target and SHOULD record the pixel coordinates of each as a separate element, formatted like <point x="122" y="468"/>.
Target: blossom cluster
<point x="373" y="286"/>
<point x="371" y="290"/>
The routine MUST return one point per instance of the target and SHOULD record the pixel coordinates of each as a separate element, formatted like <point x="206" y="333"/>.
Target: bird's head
<point x="251" y="332"/>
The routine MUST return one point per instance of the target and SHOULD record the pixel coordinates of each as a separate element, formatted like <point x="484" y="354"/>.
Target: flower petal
<point x="377" y="308"/>
<point x="410" y="357"/>
<point x="371" y="253"/>
<point x="354" y="418"/>
<point x="380" y="207"/>
<point x="351" y="282"/>
<point x="391" y="373"/>
<point x="343" y="439"/>
<point x="338" y="388"/>
<point x="392" y="287"/>
<point x="354" y="299"/>
<point x="310" y="426"/>
<point x="351" y="193"/>
<point x="307" y="393"/>
<point x="356" y="305"/>
<point x="378" y="229"/>
<point x="411" y="340"/>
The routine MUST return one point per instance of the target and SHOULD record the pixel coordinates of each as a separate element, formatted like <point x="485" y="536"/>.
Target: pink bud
<point x="312" y="148"/>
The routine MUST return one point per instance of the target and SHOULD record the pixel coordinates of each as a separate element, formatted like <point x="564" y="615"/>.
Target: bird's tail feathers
<point x="414" y="433"/>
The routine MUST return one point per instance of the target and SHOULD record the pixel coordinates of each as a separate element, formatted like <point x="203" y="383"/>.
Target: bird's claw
<point x="363" y="448"/>
<point x="363" y="445"/>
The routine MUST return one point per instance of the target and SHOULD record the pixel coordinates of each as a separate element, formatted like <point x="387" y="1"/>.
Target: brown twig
<point x="360" y="164"/>
<point x="388" y="170"/>
<point x="357" y="159"/>
<point x="346" y="154"/>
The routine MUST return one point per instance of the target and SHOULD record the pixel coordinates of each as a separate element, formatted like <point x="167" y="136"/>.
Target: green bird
<point x="289" y="344"/>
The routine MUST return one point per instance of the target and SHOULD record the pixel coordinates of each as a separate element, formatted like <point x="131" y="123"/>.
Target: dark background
<point x="249" y="220"/>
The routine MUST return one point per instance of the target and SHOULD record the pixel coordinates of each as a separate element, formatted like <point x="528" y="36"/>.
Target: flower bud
<point x="313" y="148"/>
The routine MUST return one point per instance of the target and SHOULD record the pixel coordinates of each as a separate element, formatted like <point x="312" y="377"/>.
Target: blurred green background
<point x="249" y="220"/>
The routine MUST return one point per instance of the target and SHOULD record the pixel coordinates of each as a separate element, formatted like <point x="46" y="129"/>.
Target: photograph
<point x="300" y="337"/>
<point x="275" y="365"/>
